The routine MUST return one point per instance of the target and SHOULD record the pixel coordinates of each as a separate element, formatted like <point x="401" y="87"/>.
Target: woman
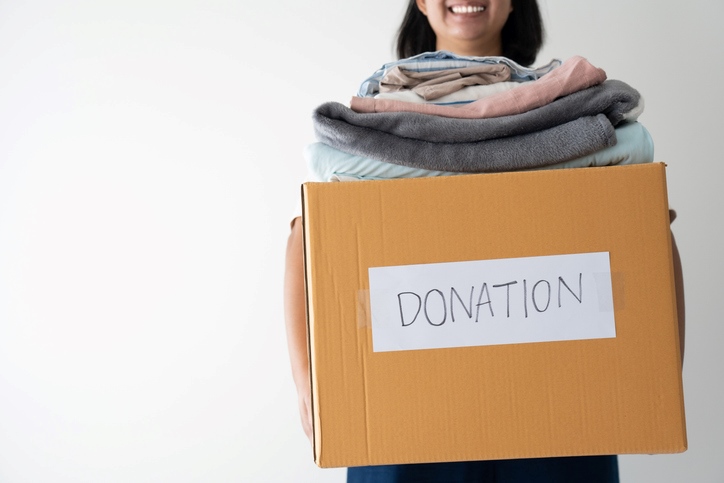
<point x="510" y="28"/>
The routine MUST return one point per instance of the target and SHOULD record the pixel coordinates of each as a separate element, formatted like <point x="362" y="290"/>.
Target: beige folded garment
<point x="432" y="85"/>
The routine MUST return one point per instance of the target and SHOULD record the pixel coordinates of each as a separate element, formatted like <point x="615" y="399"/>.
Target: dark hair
<point x="522" y="35"/>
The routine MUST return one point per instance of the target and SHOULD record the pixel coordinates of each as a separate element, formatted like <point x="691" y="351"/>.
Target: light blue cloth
<point x="634" y="145"/>
<point x="441" y="59"/>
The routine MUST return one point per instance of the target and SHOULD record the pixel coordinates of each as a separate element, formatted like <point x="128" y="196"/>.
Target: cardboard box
<point x="512" y="396"/>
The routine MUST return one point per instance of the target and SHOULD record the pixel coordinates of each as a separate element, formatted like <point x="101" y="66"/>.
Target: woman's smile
<point x="466" y="9"/>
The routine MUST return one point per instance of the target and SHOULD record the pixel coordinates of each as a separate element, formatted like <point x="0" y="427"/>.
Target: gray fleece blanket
<point x="612" y="98"/>
<point x="556" y="144"/>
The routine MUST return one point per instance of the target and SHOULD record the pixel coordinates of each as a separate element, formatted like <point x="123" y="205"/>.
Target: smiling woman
<point x="479" y="28"/>
<point x="467" y="28"/>
<point x="511" y="28"/>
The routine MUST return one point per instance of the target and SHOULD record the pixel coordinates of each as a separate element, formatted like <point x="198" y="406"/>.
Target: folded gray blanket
<point x="612" y="98"/>
<point x="556" y="144"/>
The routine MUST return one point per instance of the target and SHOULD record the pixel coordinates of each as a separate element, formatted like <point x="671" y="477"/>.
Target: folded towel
<point x="560" y="143"/>
<point x="613" y="98"/>
<point x="325" y="163"/>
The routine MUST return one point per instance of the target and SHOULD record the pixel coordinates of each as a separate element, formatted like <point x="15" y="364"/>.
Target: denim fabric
<point x="431" y="61"/>
<point x="580" y="469"/>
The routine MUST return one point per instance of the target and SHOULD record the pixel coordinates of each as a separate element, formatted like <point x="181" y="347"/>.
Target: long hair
<point x="521" y="37"/>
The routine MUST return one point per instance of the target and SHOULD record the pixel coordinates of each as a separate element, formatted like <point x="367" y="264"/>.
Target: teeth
<point x="467" y="8"/>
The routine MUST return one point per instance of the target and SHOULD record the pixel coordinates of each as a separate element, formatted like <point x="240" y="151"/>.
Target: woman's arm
<point x="296" y="323"/>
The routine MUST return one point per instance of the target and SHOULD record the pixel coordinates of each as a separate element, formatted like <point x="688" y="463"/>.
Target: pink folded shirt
<point x="573" y="75"/>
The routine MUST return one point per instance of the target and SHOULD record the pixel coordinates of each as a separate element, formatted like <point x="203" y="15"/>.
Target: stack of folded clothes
<point x="438" y="114"/>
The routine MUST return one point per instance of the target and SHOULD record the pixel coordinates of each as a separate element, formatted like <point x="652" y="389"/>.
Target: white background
<point x="150" y="159"/>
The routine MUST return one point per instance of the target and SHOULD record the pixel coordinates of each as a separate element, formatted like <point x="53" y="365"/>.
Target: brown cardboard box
<point x="609" y="394"/>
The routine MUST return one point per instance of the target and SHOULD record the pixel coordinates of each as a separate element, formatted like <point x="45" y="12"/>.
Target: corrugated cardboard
<point x="584" y="397"/>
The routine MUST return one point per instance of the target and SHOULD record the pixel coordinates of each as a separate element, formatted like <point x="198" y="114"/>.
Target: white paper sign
<point x="489" y="302"/>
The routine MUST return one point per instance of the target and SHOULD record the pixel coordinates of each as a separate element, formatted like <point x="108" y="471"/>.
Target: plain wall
<point x="150" y="160"/>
